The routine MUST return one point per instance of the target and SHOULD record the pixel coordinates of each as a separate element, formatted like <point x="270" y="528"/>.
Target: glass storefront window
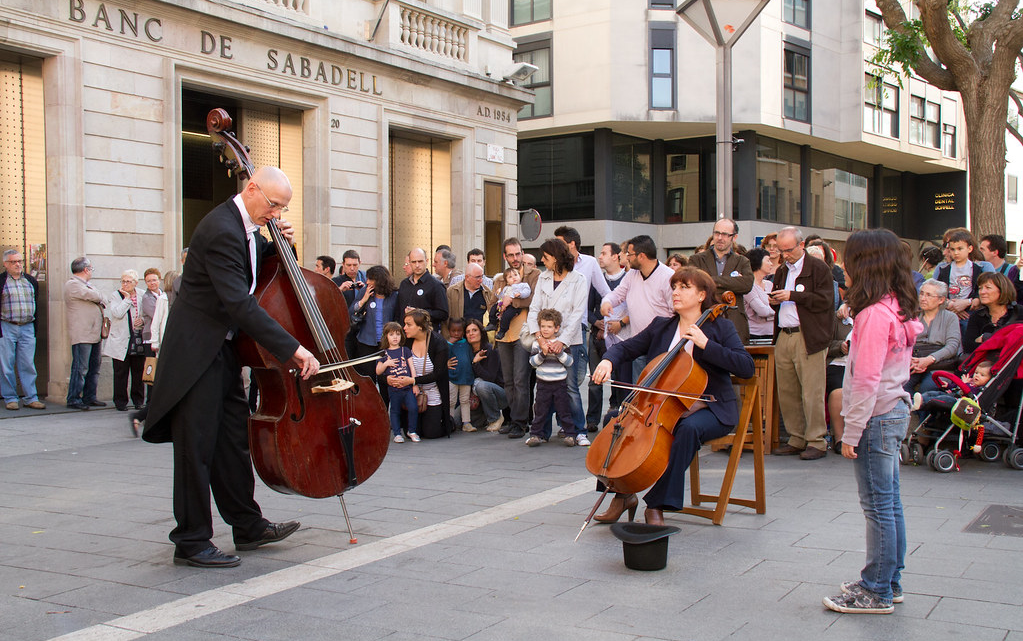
<point x="778" y="181"/>
<point x="556" y="177"/>
<point x="838" y="190"/>
<point x="631" y="189"/>
<point x="683" y="188"/>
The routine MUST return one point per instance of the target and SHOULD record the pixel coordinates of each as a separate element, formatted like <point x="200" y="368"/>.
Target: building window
<point x="796" y="12"/>
<point x="556" y="177"/>
<point x="538" y="54"/>
<point x="1012" y="189"/>
<point x="631" y="188"/>
<point x="797" y="85"/>
<point x="662" y="4"/>
<point x="526" y="11"/>
<point x="880" y="107"/>
<point x="924" y="119"/>
<point x="662" y="68"/>
<point x="873" y="30"/>
<point x="778" y="181"/>
<point x="948" y="141"/>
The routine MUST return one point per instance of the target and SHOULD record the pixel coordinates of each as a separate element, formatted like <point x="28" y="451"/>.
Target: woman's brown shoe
<point x="619" y="504"/>
<point x="653" y="516"/>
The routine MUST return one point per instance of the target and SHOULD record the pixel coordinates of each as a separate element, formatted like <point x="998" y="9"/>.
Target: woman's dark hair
<point x="756" y="258"/>
<point x="678" y="258"/>
<point x="558" y="250"/>
<point x="877" y="266"/>
<point x="931" y="255"/>
<point x="421" y="318"/>
<point x="382" y="277"/>
<point x="699" y="279"/>
<point x="484" y="340"/>
<point x="1006" y="290"/>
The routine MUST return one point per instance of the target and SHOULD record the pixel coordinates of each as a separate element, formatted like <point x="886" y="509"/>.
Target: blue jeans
<point x="492" y="397"/>
<point x="85" y="360"/>
<point x="18" y="352"/>
<point x="576" y="376"/>
<point x="877" y="477"/>
<point x="403" y="398"/>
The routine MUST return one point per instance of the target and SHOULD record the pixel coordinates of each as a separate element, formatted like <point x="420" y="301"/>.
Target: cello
<point x="325" y="435"/>
<point x="632" y="450"/>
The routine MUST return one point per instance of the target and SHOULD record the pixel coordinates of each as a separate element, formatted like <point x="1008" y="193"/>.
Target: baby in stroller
<point x="979" y="415"/>
<point x="945" y="399"/>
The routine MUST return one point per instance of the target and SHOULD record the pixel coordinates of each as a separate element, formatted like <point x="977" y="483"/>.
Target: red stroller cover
<point x="1005" y="342"/>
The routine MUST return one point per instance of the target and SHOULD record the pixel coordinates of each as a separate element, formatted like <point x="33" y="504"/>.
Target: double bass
<point x="631" y="452"/>
<point x="322" y="436"/>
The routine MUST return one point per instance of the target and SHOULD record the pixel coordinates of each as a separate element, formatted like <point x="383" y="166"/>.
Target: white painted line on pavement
<point x="189" y="608"/>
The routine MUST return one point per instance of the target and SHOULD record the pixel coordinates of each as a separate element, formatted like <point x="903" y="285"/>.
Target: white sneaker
<point x="414" y="437"/>
<point x="496" y="425"/>
<point x="468" y="427"/>
<point x="399" y="439"/>
<point x="918" y="400"/>
<point x="582" y="441"/>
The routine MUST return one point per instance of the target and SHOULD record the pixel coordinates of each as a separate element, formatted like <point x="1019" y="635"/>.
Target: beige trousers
<point x="801" y="383"/>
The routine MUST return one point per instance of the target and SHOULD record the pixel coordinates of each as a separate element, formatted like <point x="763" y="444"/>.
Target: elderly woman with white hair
<point x="125" y="345"/>
<point x="940" y="344"/>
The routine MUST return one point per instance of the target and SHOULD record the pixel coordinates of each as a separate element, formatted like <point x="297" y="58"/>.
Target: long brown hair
<point x="877" y="266"/>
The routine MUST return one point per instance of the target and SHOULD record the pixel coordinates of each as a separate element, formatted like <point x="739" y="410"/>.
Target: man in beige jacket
<point x="84" y="313"/>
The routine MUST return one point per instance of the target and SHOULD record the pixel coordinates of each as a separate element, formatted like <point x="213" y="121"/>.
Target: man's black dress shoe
<point x="273" y="533"/>
<point x="211" y="557"/>
<point x="96" y="404"/>
<point x="516" y="432"/>
<point x="77" y="406"/>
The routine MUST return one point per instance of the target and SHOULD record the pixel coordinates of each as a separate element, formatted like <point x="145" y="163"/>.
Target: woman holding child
<point x="568" y="292"/>
<point x="717" y="348"/>
<point x="429" y="362"/>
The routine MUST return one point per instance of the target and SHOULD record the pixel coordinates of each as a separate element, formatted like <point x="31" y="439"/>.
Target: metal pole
<point x="724" y="131"/>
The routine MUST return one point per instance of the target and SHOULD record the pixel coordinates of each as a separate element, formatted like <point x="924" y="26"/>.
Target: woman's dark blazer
<point x="367" y="330"/>
<point x="437" y="352"/>
<point x="723" y="356"/>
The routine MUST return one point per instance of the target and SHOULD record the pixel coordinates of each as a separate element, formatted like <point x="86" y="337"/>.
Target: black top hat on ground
<point x="645" y="546"/>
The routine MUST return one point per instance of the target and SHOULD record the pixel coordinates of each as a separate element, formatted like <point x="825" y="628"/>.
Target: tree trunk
<point x="985" y="143"/>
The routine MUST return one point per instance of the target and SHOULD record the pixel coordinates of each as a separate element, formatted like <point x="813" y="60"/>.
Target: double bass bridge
<point x="336" y="385"/>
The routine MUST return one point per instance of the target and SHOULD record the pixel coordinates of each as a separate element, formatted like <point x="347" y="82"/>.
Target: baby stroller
<point x="986" y="422"/>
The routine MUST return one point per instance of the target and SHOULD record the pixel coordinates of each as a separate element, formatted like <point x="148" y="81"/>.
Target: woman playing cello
<point x="716" y="348"/>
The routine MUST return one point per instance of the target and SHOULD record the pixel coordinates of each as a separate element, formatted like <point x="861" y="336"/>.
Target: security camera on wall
<point x="518" y="72"/>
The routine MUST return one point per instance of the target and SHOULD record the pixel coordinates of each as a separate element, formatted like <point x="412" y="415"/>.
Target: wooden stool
<point x="748" y="433"/>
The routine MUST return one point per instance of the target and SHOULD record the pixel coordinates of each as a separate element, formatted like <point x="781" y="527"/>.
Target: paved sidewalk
<point x="471" y="538"/>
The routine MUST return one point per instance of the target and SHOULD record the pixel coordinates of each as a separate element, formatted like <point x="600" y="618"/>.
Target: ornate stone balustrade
<point x="298" y="6"/>
<point x="432" y="33"/>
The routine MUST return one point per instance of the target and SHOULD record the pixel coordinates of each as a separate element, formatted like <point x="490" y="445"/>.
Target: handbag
<point x="922" y="350"/>
<point x="421" y="400"/>
<point x="104" y="331"/>
<point x="474" y="401"/>
<point x="149" y="370"/>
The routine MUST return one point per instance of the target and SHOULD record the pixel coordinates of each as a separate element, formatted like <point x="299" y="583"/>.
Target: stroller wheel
<point x="1013" y="457"/>
<point x="944" y="461"/>
<point x="916" y="451"/>
<point x="990" y="452"/>
<point x="904" y="457"/>
<point x="929" y="459"/>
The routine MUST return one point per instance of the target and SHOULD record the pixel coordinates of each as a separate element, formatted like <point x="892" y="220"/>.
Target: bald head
<point x="473" y="269"/>
<point x="417" y="259"/>
<point x="267" y="195"/>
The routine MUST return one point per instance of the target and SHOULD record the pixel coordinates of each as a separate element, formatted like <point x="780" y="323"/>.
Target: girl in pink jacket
<point x="883" y="300"/>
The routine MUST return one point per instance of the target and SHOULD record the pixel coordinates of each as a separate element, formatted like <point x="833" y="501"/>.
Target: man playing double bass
<point x="716" y="347"/>
<point x="198" y="401"/>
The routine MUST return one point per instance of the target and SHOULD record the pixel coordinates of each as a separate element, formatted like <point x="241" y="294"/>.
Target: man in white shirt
<point x="645" y="289"/>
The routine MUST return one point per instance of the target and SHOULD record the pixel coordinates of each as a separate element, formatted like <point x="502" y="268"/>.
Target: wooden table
<point x="763" y="357"/>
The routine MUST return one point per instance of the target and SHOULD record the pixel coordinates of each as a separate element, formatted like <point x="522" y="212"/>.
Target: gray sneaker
<point x="860" y="601"/>
<point x="854" y="587"/>
<point x="569" y="441"/>
<point x="534" y="441"/>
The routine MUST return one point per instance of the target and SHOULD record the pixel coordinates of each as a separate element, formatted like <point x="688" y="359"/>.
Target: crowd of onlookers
<point x="506" y="353"/>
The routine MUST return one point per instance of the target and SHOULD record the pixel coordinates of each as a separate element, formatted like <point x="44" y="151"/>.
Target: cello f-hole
<point x="301" y="400"/>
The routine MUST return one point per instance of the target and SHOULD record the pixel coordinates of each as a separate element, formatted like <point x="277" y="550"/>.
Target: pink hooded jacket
<point x="880" y="348"/>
